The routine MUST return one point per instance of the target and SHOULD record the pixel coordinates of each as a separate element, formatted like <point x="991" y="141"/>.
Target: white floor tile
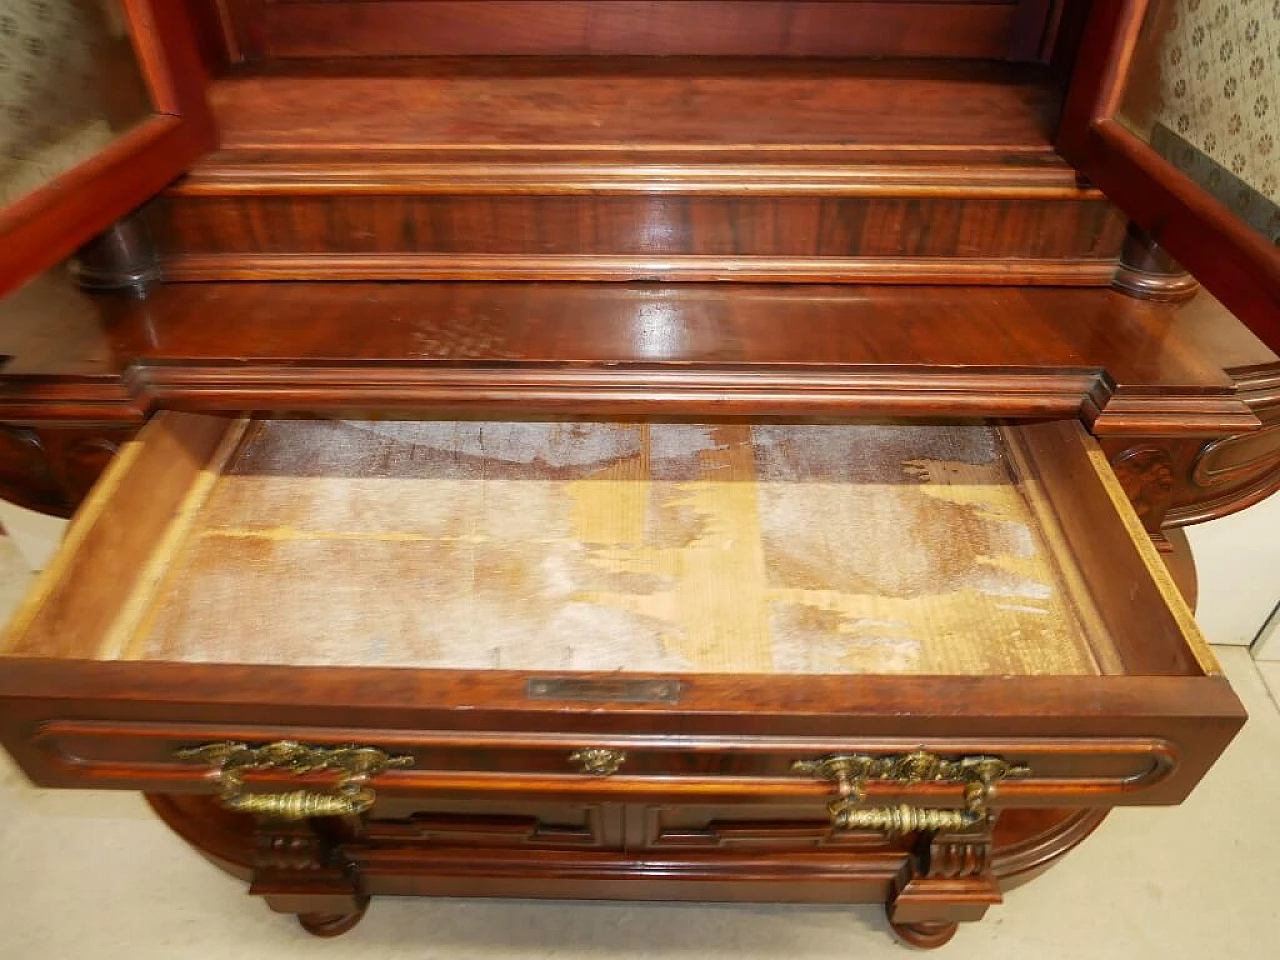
<point x="1270" y="670"/>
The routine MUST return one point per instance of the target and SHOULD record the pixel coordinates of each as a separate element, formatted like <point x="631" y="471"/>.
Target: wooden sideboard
<point x="680" y="450"/>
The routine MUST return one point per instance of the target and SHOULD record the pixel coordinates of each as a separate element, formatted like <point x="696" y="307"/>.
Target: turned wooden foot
<point x="331" y="924"/>
<point x="926" y="936"/>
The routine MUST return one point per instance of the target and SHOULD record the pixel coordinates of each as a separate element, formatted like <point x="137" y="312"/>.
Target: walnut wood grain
<point x="1122" y="365"/>
<point x="679" y="169"/>
<point x="942" y="28"/>
<point x="672" y="105"/>
<point x="52" y="469"/>
<point x="807" y="239"/>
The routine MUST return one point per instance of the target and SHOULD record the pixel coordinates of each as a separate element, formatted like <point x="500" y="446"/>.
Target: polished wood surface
<point x="638" y="168"/>
<point x="636" y="105"/>
<point x="51" y="469"/>
<point x="1125" y="366"/>
<point x="890" y="240"/>
<point x="1234" y="472"/>
<point x="941" y="28"/>
<point x="1025" y="843"/>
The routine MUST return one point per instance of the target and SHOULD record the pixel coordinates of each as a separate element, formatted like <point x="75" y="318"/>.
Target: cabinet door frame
<point x="50" y="222"/>
<point x="1236" y="263"/>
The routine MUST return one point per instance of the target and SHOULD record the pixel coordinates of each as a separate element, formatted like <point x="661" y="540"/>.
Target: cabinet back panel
<point x="998" y="29"/>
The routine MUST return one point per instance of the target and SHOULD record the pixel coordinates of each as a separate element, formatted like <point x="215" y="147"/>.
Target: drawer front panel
<point x="143" y="755"/>
<point x="140" y="642"/>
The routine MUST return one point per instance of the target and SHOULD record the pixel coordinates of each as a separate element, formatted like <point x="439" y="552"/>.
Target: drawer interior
<point x="647" y="547"/>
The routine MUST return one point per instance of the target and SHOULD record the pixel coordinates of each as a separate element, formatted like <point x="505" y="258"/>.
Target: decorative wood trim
<point x="846" y="173"/>
<point x="684" y="389"/>
<point x="1173" y="416"/>
<point x="947" y="879"/>
<point x="428" y="266"/>
<point x="1016" y="863"/>
<point x="1216" y="489"/>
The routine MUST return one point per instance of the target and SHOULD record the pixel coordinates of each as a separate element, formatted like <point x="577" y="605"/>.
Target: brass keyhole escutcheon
<point x="598" y="761"/>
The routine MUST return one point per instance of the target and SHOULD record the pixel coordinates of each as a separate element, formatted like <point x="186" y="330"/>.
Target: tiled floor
<point x="92" y="876"/>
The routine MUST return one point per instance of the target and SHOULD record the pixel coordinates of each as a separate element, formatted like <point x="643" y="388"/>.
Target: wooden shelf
<point x="688" y="169"/>
<point x="687" y="349"/>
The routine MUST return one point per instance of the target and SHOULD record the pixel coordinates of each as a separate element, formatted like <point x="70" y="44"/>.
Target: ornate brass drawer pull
<point x="851" y="773"/>
<point x="598" y="761"/>
<point x="351" y="795"/>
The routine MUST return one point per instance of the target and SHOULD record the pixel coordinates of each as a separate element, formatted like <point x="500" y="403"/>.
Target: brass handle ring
<point x="351" y="795"/>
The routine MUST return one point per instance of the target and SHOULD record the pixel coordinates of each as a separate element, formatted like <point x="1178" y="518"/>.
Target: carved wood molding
<point x="599" y="388"/>
<point x="299" y="868"/>
<point x="389" y="265"/>
<point x="1234" y="472"/>
<point x="50" y="470"/>
<point x="947" y="880"/>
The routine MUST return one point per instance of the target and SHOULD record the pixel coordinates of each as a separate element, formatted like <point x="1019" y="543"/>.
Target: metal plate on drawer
<point x="605" y="689"/>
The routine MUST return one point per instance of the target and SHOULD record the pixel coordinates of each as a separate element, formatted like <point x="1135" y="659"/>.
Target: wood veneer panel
<point x="636" y="104"/>
<point x="1134" y="365"/>
<point x="404" y="28"/>
<point x="485" y="168"/>
<point x="521" y="230"/>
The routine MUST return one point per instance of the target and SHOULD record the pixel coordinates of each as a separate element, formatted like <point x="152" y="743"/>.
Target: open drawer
<point x="614" y="611"/>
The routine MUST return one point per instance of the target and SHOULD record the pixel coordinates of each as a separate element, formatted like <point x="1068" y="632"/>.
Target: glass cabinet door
<point x="101" y="105"/>
<point x="1174" y="111"/>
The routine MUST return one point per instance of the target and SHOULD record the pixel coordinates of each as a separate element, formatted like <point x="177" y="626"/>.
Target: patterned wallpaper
<point x="1205" y="90"/>
<point x="68" y="82"/>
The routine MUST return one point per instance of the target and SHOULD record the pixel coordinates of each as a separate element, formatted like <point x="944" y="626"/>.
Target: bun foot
<point x="926" y="936"/>
<point x="331" y="924"/>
